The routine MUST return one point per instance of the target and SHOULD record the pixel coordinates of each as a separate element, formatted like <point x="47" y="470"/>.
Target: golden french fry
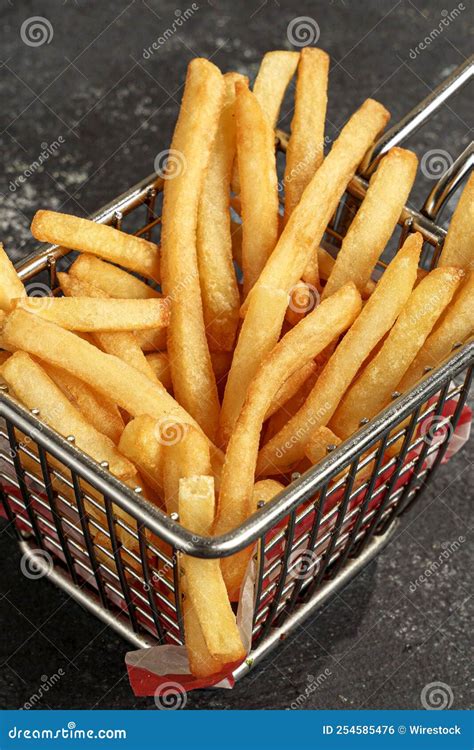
<point x="126" y="250"/>
<point x="373" y="388"/>
<point x="185" y="453"/>
<point x="191" y="367"/>
<point x="326" y="264"/>
<point x="11" y="288"/>
<point x="90" y="314"/>
<point x="278" y="420"/>
<point x="301" y="344"/>
<point x="107" y="374"/>
<point x="377" y="317"/>
<point x="291" y="386"/>
<point x="114" y="281"/>
<point x="37" y="391"/>
<point x="305" y="151"/>
<point x="101" y="412"/>
<point x="160" y="365"/>
<point x="122" y="344"/>
<point x="286" y="264"/>
<point x="267" y="309"/>
<point x="320" y="440"/>
<point x="375" y="220"/>
<point x="455" y="326"/>
<point x="139" y="443"/>
<point x="458" y="247"/>
<point x="220" y="292"/>
<point x="201" y="662"/>
<point x="152" y="341"/>
<point x="204" y="587"/>
<point x="258" y="184"/>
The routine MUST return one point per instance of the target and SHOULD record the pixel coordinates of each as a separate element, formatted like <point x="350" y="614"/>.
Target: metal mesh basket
<point x="117" y="554"/>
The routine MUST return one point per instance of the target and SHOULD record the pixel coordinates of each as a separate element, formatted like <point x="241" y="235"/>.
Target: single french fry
<point x="373" y="388"/>
<point x="320" y="440"/>
<point x="379" y="314"/>
<point x="11" y="288"/>
<point x="107" y="374"/>
<point x="291" y="386"/>
<point x="108" y="243"/>
<point x="305" y="151"/>
<point x="258" y="184"/>
<point x="286" y="264"/>
<point x="139" y="443"/>
<point x="114" y="281"/>
<point x="375" y="220"/>
<point x="90" y="314"/>
<point x="191" y="367"/>
<point x="101" y="412"/>
<point x="267" y="310"/>
<point x="263" y="491"/>
<point x="185" y="453"/>
<point x="160" y="365"/>
<point x="278" y="420"/>
<point x="201" y="662"/>
<point x="152" y="341"/>
<point x="122" y="344"/>
<point x="205" y="586"/>
<point x="300" y="345"/>
<point x="220" y="292"/>
<point x="455" y="326"/>
<point x="458" y="249"/>
<point x="326" y="264"/>
<point x="36" y="390"/>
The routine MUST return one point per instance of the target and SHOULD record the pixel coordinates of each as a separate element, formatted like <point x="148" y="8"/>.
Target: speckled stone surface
<point x="112" y="109"/>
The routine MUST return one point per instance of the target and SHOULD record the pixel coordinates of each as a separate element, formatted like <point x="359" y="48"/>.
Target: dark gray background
<point x="115" y="110"/>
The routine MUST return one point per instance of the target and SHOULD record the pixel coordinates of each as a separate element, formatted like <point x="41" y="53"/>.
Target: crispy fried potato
<point x="458" y="247"/>
<point x="139" y="443"/>
<point x="114" y="281"/>
<point x="11" y="288"/>
<point x="36" y="390"/>
<point x="288" y="261"/>
<point x="377" y="317"/>
<point x="185" y="453"/>
<point x="100" y="411"/>
<point x="90" y="314"/>
<point x="160" y="365"/>
<point x="152" y="341"/>
<point x="258" y="184"/>
<point x="326" y="264"/>
<point x="300" y="345"/>
<point x="291" y="386"/>
<point x="204" y="587"/>
<point x="75" y="233"/>
<point x="375" y="220"/>
<point x="191" y="367"/>
<point x="220" y="292"/>
<point x="305" y="151"/>
<point x="373" y="388"/>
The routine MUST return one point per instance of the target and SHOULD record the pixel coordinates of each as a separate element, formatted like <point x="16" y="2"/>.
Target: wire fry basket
<point x="69" y="512"/>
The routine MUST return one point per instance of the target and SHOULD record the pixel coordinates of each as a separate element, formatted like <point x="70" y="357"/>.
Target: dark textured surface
<point x="379" y="641"/>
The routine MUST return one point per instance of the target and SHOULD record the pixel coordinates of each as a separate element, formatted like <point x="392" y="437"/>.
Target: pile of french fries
<point x="206" y="386"/>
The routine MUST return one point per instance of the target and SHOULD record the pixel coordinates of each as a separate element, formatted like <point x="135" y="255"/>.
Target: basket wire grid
<point x="118" y="555"/>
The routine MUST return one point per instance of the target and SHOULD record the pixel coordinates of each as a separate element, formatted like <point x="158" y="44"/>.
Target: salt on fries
<point x="277" y="367"/>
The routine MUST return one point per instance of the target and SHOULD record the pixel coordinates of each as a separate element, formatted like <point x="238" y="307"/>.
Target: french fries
<point x="160" y="365"/>
<point x="373" y="389"/>
<point x="106" y="242"/>
<point x="220" y="292"/>
<point x="191" y="368"/>
<point x="378" y="316"/>
<point x="11" y="288"/>
<point x="458" y="249"/>
<point x="293" y="250"/>
<point x="204" y="586"/>
<point x="90" y="314"/>
<point x="139" y="443"/>
<point x="375" y="220"/>
<point x="258" y="184"/>
<point x="114" y="281"/>
<point x="37" y="391"/>
<point x="298" y="346"/>
<point x="186" y="453"/>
